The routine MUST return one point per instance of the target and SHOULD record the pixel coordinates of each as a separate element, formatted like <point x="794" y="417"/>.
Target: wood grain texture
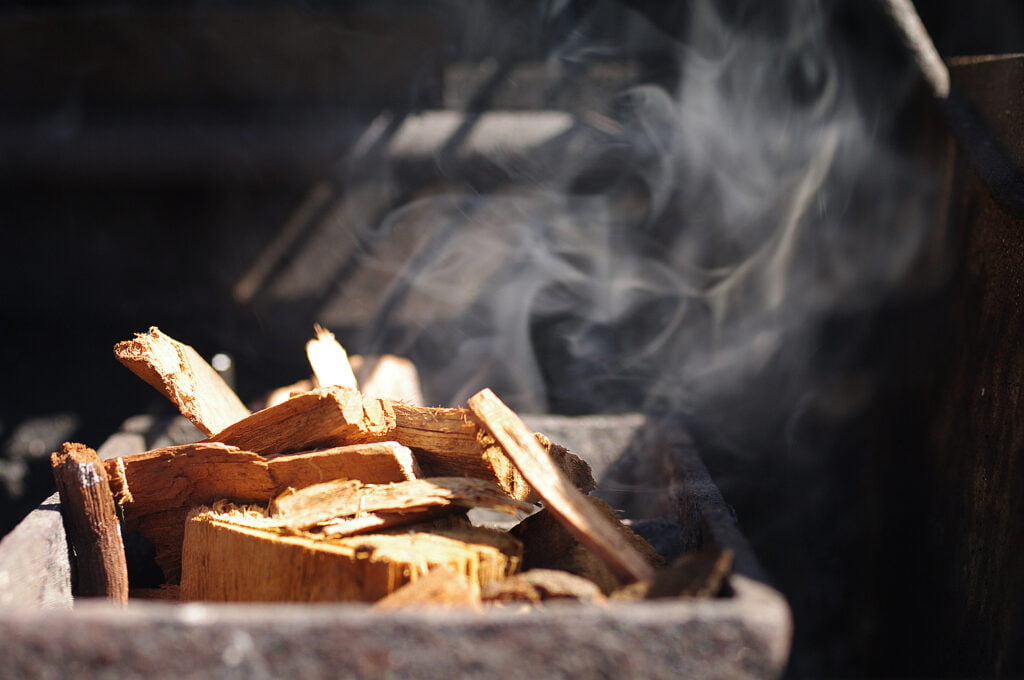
<point x="178" y="372"/>
<point x="320" y="503"/>
<point x="332" y="416"/>
<point x="156" y="489"/>
<point x="563" y="499"/>
<point x="90" y="520"/>
<point x="230" y="557"/>
<point x="329" y="361"/>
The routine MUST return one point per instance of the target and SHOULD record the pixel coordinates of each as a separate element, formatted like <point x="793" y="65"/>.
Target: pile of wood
<point x="335" y="494"/>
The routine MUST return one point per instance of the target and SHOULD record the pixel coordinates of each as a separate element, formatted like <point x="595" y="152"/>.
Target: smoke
<point x="685" y="240"/>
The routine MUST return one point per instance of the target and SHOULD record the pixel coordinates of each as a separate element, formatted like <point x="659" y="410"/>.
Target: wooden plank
<point x="178" y="372"/>
<point x="90" y="520"/>
<point x="563" y="499"/>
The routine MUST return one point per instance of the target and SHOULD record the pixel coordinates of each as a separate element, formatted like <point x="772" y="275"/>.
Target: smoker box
<point x="744" y="634"/>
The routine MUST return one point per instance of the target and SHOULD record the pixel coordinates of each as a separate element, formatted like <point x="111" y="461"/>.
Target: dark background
<point x="148" y="156"/>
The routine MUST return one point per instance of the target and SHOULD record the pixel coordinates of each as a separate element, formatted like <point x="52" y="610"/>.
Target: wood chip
<point x="331" y="416"/>
<point x="320" y="503"/>
<point x="329" y="361"/>
<point x="563" y="499"/>
<point x="179" y="373"/>
<point x="235" y="557"/>
<point x="550" y="544"/>
<point x="156" y="489"/>
<point x="703" y="573"/>
<point x="91" y="522"/>
<point x="538" y="585"/>
<point x="441" y="587"/>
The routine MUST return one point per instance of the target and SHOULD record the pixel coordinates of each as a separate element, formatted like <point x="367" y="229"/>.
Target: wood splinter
<point x="91" y="523"/>
<point x="563" y="499"/>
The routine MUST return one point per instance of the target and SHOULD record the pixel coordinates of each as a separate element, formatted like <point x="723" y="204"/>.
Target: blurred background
<point x="729" y="212"/>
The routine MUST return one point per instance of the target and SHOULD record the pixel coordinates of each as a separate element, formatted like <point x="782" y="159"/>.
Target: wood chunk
<point x="563" y="499"/>
<point x="91" y="522"/>
<point x="698" y="574"/>
<point x="329" y="361"/>
<point x="234" y="556"/>
<point x="320" y="503"/>
<point x="549" y="544"/>
<point x="374" y="463"/>
<point x="331" y="416"/>
<point x="178" y="372"/>
<point x="449" y="444"/>
<point x="388" y="376"/>
<point x="156" y="489"/>
<point x="441" y="587"/>
<point x="537" y="585"/>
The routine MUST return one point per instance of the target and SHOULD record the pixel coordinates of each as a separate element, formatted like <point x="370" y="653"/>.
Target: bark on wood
<point x="180" y="374"/>
<point x="329" y="361"/>
<point x="91" y="522"/>
<point x="332" y="416"/>
<point x="549" y="544"/>
<point x="442" y="587"/>
<point x="321" y="503"/>
<point x="235" y="557"/>
<point x="563" y="499"/>
<point x="537" y="585"/>
<point x="156" y="489"/>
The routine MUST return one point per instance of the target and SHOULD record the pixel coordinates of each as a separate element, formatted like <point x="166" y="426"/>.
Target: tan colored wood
<point x="91" y="521"/>
<point x="320" y="503"/>
<point x="537" y="585"/>
<point x="237" y="556"/>
<point x="329" y="361"/>
<point x="156" y="489"/>
<point x="388" y="376"/>
<point x="330" y="416"/>
<point x="449" y="444"/>
<point x="441" y="587"/>
<point x="563" y="499"/>
<point x="282" y="394"/>
<point x="178" y="372"/>
<point x="374" y="463"/>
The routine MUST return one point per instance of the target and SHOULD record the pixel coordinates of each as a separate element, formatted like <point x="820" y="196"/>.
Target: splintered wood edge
<point x="329" y="360"/>
<point x="564" y="500"/>
<point x="179" y="373"/>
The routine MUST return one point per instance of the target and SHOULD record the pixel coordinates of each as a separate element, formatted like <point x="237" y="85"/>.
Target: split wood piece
<point x="549" y="544"/>
<point x="390" y="376"/>
<point x="563" y="499"/>
<point x="236" y="557"/>
<point x="428" y="519"/>
<point x="703" y="573"/>
<point x="91" y="522"/>
<point x="329" y="361"/>
<point x="449" y="443"/>
<point x="330" y="416"/>
<point x="156" y="489"/>
<point x="537" y="585"/>
<point x="180" y="374"/>
<point x="320" y="503"/>
<point x="441" y="587"/>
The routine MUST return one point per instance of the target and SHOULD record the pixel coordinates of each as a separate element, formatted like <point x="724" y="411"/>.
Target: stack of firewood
<point x="331" y="494"/>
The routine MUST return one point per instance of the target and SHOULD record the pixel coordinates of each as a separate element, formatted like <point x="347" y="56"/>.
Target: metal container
<point x="746" y="633"/>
